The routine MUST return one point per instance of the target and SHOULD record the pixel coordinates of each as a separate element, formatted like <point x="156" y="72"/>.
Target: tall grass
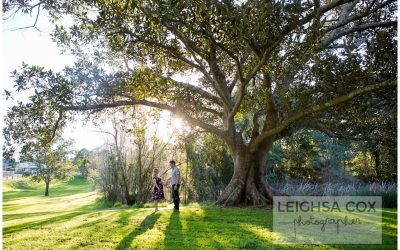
<point x="387" y="190"/>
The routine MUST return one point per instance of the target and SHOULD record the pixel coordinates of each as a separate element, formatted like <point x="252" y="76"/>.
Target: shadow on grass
<point x="32" y="225"/>
<point x="124" y="217"/>
<point x="96" y="206"/>
<point x="389" y="217"/>
<point x="215" y="228"/>
<point x="146" y="224"/>
<point x="238" y="228"/>
<point x="12" y="207"/>
<point x="389" y="228"/>
<point x="16" y="195"/>
<point x="93" y="224"/>
<point x="8" y="217"/>
<point x="173" y="232"/>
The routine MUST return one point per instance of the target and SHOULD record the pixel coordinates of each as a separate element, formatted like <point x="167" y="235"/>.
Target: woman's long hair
<point x="155" y="172"/>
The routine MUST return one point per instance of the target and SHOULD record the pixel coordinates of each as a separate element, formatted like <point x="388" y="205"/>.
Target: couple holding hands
<point x="158" y="193"/>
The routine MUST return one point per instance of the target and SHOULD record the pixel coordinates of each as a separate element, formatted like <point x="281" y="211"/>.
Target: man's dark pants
<point x="175" y="196"/>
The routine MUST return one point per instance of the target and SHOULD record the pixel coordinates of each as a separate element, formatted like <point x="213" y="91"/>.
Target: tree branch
<point x="36" y="19"/>
<point x="56" y="125"/>
<point x="195" y="89"/>
<point x="316" y="109"/>
<point x="316" y="125"/>
<point x="186" y="86"/>
<point x="359" y="16"/>
<point x="317" y="12"/>
<point x="174" y="110"/>
<point x="220" y="79"/>
<point x="326" y="42"/>
<point x="354" y="136"/>
<point x="168" y="49"/>
<point x="213" y="82"/>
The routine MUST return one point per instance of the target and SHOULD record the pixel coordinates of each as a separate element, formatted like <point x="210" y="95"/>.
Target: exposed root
<point x="247" y="186"/>
<point x="256" y="195"/>
<point x="230" y="198"/>
<point x="233" y="197"/>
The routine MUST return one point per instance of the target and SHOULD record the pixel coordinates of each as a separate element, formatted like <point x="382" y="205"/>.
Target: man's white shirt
<point x="174" y="175"/>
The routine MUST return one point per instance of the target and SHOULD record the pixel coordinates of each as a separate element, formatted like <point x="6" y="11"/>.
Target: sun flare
<point x="170" y="126"/>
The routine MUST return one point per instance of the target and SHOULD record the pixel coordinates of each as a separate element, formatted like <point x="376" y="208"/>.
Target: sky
<point x="36" y="48"/>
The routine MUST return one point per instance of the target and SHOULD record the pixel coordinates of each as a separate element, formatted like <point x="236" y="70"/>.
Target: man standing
<point x="175" y="182"/>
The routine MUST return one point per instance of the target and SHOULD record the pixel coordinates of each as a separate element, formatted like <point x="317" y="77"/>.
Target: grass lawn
<point x="73" y="218"/>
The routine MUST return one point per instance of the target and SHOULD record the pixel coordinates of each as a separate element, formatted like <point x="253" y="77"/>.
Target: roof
<point x="6" y="162"/>
<point x="26" y="165"/>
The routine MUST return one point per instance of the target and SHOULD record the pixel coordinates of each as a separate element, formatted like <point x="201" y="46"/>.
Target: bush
<point x="24" y="183"/>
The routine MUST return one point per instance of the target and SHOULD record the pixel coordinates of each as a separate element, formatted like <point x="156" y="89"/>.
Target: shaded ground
<point x="72" y="218"/>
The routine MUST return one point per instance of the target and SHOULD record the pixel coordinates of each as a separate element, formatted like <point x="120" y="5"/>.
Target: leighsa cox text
<point x="326" y="206"/>
<point x="327" y="219"/>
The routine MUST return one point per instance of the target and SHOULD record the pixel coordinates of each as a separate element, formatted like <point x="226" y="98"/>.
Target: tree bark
<point x="248" y="185"/>
<point x="46" y="192"/>
<point x="129" y="199"/>
<point x="377" y="161"/>
<point x="140" y="168"/>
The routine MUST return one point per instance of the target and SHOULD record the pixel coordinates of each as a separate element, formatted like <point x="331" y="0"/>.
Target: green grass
<point x="74" y="218"/>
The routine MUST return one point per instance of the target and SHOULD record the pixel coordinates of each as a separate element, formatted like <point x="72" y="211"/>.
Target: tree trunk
<point x="46" y="192"/>
<point x="140" y="168"/>
<point x="377" y="160"/>
<point x="187" y="171"/>
<point x="129" y="198"/>
<point x="248" y="185"/>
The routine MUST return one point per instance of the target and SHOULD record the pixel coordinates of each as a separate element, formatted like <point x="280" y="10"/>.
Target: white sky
<point x="36" y="48"/>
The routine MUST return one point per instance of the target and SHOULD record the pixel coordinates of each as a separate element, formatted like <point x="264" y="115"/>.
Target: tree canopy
<point x="53" y="161"/>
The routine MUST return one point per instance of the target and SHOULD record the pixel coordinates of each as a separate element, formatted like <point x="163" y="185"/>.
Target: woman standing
<point x="158" y="192"/>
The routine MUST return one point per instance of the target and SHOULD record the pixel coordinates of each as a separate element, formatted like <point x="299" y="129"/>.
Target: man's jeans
<point x="175" y="196"/>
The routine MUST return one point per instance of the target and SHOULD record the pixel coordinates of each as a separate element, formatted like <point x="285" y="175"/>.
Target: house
<point x="26" y="168"/>
<point x="8" y="170"/>
<point x="7" y="165"/>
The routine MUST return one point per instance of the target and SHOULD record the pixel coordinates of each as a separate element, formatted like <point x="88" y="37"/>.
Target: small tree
<point x="123" y="169"/>
<point x="81" y="161"/>
<point x="53" y="163"/>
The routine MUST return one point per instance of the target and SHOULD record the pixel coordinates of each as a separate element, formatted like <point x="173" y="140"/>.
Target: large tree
<point x="257" y="70"/>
